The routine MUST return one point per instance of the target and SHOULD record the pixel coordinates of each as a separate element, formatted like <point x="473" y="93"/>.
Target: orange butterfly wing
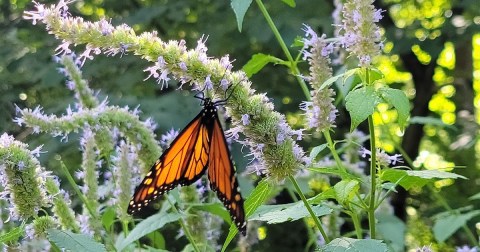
<point x="221" y="174"/>
<point x="181" y="164"/>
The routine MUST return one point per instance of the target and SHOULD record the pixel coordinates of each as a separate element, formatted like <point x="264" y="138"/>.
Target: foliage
<point x="321" y="168"/>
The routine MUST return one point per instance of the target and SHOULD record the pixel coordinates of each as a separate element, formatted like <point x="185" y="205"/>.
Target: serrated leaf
<point x="257" y="62"/>
<point x="354" y="245"/>
<point x="345" y="190"/>
<point x="409" y="179"/>
<point x="399" y="101"/>
<point x="147" y="226"/>
<point x="392" y="229"/>
<point x="361" y="103"/>
<point x="13" y="235"/>
<point x="69" y="241"/>
<point x="316" y="150"/>
<point x="290" y="3"/>
<point x="287" y="212"/>
<point x="446" y="226"/>
<point x="240" y="7"/>
<point x="256" y="199"/>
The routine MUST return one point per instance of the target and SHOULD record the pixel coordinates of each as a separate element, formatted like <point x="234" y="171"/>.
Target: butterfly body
<point x="199" y="147"/>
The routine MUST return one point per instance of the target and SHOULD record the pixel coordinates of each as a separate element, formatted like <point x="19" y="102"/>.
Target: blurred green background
<point x="432" y="52"/>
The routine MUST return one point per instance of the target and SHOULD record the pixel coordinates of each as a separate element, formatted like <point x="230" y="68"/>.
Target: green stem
<point x="373" y="178"/>
<point x="311" y="236"/>
<point x="111" y="244"/>
<point x="331" y="146"/>
<point x="293" y="64"/>
<point x="184" y="227"/>
<point x="356" y="224"/>
<point x="76" y="189"/>
<point x="307" y="205"/>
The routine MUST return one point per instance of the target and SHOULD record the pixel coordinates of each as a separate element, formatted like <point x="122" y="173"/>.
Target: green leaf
<point x="389" y="186"/>
<point x="69" y="241"/>
<point x="214" y="208"/>
<point x="334" y="171"/>
<point x="256" y="199"/>
<point x="157" y="239"/>
<point x="108" y="217"/>
<point x="409" y="179"/>
<point x="375" y="74"/>
<point x="316" y="150"/>
<point x="147" y="226"/>
<point x="429" y="121"/>
<point x="361" y="103"/>
<point x="328" y="194"/>
<point x="290" y="3"/>
<point x="257" y="62"/>
<point x="447" y="225"/>
<point x="354" y="245"/>
<point x="287" y="212"/>
<point x="399" y="101"/>
<point x="240" y="7"/>
<point x="392" y="229"/>
<point x="345" y="190"/>
<point x="335" y="78"/>
<point x="475" y="197"/>
<point x="13" y="235"/>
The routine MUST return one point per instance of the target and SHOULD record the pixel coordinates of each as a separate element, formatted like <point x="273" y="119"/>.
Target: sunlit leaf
<point x="290" y="3"/>
<point x="409" y="179"/>
<point x="399" y="101"/>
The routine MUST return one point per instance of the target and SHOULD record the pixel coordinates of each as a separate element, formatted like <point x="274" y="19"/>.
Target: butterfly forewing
<point x="178" y="165"/>
<point x="200" y="145"/>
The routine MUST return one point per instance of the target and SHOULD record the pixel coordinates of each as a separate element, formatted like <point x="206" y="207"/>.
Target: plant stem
<point x="331" y="146"/>
<point x="184" y="227"/>
<point x="373" y="178"/>
<point x="356" y="224"/>
<point x="293" y="63"/>
<point x="307" y="205"/>
<point x="312" y="238"/>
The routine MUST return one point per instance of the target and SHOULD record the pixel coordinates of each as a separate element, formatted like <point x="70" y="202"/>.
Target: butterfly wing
<point x="221" y="174"/>
<point x="181" y="164"/>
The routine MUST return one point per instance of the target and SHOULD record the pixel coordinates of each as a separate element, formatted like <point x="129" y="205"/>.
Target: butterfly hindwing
<point x="200" y="145"/>
<point x="221" y="174"/>
<point x="181" y="164"/>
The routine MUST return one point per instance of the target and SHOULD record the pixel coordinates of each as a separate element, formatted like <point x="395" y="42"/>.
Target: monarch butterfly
<point x="201" y="145"/>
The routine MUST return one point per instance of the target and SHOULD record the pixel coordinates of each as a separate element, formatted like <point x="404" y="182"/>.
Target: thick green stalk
<point x="309" y="209"/>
